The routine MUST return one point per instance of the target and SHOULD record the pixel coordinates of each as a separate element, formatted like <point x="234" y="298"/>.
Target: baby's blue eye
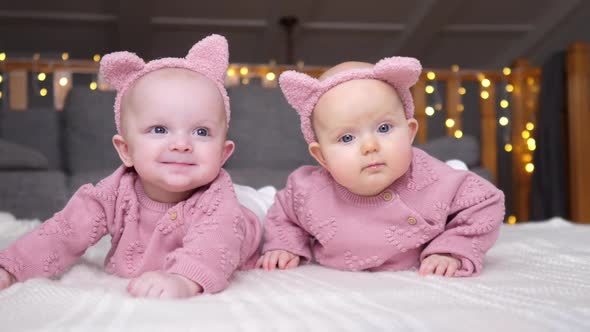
<point x="346" y="138"/>
<point x="159" y="130"/>
<point x="384" y="128"/>
<point x="202" y="132"/>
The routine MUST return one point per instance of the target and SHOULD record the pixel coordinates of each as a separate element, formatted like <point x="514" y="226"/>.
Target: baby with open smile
<point x="176" y="225"/>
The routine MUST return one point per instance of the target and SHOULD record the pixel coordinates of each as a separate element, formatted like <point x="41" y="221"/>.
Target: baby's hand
<point x="283" y="258"/>
<point x="6" y="279"/>
<point x="442" y="265"/>
<point x="158" y="284"/>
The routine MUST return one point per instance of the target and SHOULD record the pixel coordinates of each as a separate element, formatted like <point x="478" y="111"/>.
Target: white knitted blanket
<point x="536" y="278"/>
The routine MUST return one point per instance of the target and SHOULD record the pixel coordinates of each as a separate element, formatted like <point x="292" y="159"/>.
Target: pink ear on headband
<point x="303" y="92"/>
<point x="209" y="57"/>
<point x="298" y="88"/>
<point x="116" y="67"/>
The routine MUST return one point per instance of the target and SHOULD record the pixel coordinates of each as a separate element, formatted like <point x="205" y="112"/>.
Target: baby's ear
<point x="116" y="67"/>
<point x="316" y="152"/>
<point x="298" y="88"/>
<point x="212" y="56"/>
<point x="122" y="149"/>
<point x="401" y="72"/>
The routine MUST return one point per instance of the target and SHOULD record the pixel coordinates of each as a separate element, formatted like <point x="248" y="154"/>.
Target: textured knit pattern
<point x="303" y="92"/>
<point x="432" y="209"/>
<point x="204" y="238"/>
<point x="209" y="57"/>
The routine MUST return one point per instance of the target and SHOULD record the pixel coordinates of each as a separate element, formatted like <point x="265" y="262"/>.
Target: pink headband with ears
<point x="303" y="91"/>
<point x="209" y="57"/>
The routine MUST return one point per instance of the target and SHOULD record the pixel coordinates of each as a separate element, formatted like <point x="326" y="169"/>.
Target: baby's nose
<point x="369" y="145"/>
<point x="181" y="144"/>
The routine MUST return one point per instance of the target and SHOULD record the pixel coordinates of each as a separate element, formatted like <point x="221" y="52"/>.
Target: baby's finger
<point x="6" y="279"/>
<point x="427" y="267"/>
<point x="266" y="261"/>
<point x="3" y="280"/>
<point x="284" y="258"/>
<point x="453" y="267"/>
<point x="168" y="294"/>
<point x="131" y="284"/>
<point x="441" y="267"/>
<point x="293" y="263"/>
<point x="259" y="262"/>
<point x="138" y="288"/>
<point x="274" y="258"/>
<point x="154" y="291"/>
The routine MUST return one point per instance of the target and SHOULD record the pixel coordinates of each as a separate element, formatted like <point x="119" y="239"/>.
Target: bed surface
<point x="536" y="278"/>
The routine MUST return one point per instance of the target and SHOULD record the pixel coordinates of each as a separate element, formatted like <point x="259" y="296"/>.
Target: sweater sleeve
<point x="55" y="245"/>
<point x="282" y="227"/>
<point x="212" y="248"/>
<point x="477" y="211"/>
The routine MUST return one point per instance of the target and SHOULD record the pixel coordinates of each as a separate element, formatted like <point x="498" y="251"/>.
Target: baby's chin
<point x="371" y="188"/>
<point x="185" y="186"/>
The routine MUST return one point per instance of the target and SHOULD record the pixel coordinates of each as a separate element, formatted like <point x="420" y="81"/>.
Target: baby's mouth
<point x="374" y="167"/>
<point x="178" y="163"/>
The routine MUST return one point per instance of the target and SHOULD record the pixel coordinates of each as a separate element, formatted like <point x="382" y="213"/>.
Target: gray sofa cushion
<point x="89" y="126"/>
<point x="483" y="172"/>
<point x="266" y="130"/>
<point x="465" y="149"/>
<point x="16" y="156"/>
<point x="75" y="181"/>
<point x="33" y="194"/>
<point x="36" y="128"/>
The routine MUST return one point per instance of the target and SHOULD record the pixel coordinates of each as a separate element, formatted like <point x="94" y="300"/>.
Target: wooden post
<point x="520" y="178"/>
<point x="578" y="113"/>
<point x="18" y="96"/>
<point x="489" y="150"/>
<point x="452" y="104"/>
<point x="419" y="95"/>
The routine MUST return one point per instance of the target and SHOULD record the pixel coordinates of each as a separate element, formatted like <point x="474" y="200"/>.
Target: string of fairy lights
<point x="266" y="75"/>
<point x="243" y="74"/>
<point x="435" y="104"/>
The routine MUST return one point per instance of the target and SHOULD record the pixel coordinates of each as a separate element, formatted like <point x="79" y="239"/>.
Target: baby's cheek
<point x="343" y="172"/>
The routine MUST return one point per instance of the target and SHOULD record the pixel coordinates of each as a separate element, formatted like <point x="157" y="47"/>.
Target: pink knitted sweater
<point x="204" y="238"/>
<point x="432" y="209"/>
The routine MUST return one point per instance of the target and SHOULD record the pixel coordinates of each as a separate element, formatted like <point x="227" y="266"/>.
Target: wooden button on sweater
<point x="388" y="196"/>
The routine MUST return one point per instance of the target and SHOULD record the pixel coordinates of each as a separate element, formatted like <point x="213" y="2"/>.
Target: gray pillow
<point x="465" y="149"/>
<point x="265" y="129"/>
<point x="37" y="128"/>
<point x="77" y="180"/>
<point x="16" y="156"/>
<point x="89" y="126"/>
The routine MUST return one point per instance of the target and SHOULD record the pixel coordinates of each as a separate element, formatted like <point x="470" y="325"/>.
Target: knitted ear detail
<point x="301" y="91"/>
<point x="211" y="56"/>
<point x="401" y="72"/>
<point x="116" y="68"/>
